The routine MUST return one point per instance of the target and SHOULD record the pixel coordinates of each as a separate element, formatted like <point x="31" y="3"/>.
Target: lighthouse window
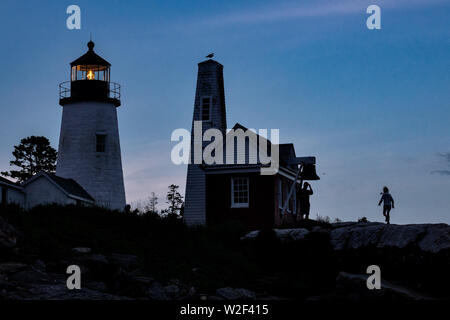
<point x="206" y="108"/>
<point x="101" y="142"/>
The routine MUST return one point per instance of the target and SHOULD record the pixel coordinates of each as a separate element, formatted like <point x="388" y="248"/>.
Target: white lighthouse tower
<point x="89" y="144"/>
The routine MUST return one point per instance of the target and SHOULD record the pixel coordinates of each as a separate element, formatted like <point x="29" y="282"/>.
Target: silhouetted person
<point x="388" y="203"/>
<point x="305" y="206"/>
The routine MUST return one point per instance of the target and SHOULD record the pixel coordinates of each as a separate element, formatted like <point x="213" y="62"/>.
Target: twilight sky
<point x="372" y="106"/>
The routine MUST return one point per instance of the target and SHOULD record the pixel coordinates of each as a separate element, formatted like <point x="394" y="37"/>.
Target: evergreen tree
<point x="174" y="199"/>
<point x="32" y="155"/>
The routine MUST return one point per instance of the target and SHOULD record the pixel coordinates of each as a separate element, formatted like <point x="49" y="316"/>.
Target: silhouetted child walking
<point x="388" y="203"/>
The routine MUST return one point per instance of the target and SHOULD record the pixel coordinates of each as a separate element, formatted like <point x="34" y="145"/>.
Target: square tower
<point x="209" y="108"/>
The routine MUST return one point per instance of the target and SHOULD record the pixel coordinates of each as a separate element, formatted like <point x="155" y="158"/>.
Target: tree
<point x="32" y="155"/>
<point x="174" y="199"/>
<point x="151" y="204"/>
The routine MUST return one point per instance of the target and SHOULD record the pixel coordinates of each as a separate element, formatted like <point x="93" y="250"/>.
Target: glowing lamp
<point x="90" y="75"/>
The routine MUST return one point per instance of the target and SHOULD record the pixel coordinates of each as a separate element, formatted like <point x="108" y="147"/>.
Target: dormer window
<point x="206" y="108"/>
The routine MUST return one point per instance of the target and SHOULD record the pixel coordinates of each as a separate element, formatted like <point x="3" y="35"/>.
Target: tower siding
<point x="99" y="173"/>
<point x="209" y="84"/>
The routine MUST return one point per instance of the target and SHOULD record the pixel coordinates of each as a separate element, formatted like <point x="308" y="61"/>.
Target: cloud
<point x="312" y="9"/>
<point x="446" y="157"/>
<point x="441" y="172"/>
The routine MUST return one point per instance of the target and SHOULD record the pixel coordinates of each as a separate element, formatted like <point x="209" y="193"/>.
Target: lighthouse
<point x="89" y="143"/>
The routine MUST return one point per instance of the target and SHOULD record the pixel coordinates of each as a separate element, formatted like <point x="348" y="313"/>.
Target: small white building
<point x="44" y="188"/>
<point x="11" y="192"/>
<point x="47" y="188"/>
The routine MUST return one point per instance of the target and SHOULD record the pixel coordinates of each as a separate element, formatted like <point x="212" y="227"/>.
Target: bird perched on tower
<point x="210" y="55"/>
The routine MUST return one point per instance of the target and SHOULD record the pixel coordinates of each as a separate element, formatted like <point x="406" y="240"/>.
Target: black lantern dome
<point x="90" y="80"/>
<point x="90" y="66"/>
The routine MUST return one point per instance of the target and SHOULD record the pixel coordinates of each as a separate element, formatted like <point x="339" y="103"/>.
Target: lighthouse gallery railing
<point x="113" y="92"/>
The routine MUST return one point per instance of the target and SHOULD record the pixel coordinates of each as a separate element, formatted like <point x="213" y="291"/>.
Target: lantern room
<point x="90" y="80"/>
<point x="90" y="66"/>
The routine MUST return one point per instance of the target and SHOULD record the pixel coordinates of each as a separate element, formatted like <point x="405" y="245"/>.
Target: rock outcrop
<point x="284" y="235"/>
<point x="351" y="235"/>
<point x="8" y="235"/>
<point x="354" y="287"/>
<point x="428" y="237"/>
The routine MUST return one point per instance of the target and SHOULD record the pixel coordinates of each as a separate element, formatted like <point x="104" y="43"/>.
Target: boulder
<point x="96" y="285"/>
<point x="39" y="265"/>
<point x="29" y="276"/>
<point x="143" y="280"/>
<point x="355" y="236"/>
<point x="8" y="235"/>
<point x="81" y="250"/>
<point x="285" y="235"/>
<point x="60" y="292"/>
<point x="172" y="291"/>
<point x="11" y="267"/>
<point x="157" y="292"/>
<point x="125" y="261"/>
<point x="354" y="286"/>
<point x="437" y="238"/>
<point x="235" y="294"/>
<point x="428" y="237"/>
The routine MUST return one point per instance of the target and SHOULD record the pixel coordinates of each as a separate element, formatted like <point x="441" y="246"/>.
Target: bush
<point x="207" y="257"/>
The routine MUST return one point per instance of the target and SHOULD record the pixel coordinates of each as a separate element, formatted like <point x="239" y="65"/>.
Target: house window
<point x="206" y="108"/>
<point x="100" y="143"/>
<point x="239" y="193"/>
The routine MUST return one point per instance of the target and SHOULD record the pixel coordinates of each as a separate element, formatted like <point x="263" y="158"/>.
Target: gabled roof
<point x="9" y="183"/>
<point x="286" y="153"/>
<point x="286" y="150"/>
<point x="69" y="186"/>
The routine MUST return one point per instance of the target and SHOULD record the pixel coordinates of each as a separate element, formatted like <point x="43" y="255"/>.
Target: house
<point x="11" y="192"/>
<point x="219" y="192"/>
<point x="44" y="188"/>
<point x="47" y="188"/>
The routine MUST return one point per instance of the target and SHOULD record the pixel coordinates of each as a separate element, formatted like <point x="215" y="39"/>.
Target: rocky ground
<point x="414" y="258"/>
